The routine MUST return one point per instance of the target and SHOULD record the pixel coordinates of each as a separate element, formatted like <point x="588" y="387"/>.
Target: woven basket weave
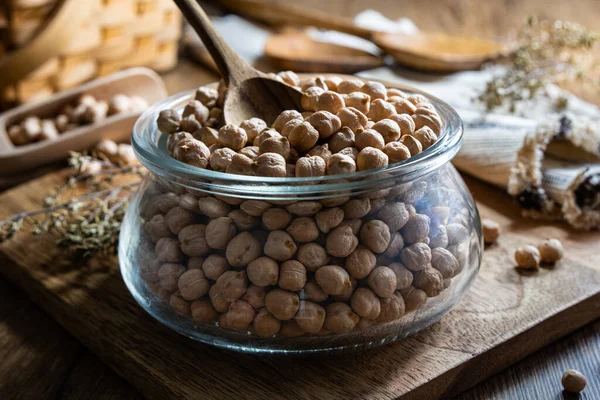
<point x="51" y="45"/>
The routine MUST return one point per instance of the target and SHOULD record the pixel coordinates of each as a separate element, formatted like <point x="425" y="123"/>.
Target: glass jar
<point x="295" y="265"/>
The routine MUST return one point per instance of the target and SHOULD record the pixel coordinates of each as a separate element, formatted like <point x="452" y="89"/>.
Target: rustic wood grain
<point x="504" y="317"/>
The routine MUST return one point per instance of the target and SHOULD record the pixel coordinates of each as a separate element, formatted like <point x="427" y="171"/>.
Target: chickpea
<point x="444" y="261"/>
<point x="179" y="305"/>
<point x="335" y="201"/>
<point x="371" y="158"/>
<point x="425" y="136"/>
<point x="157" y="228"/>
<point x="389" y="130"/>
<point x="208" y="96"/>
<point x="360" y="262"/>
<point x="177" y="218"/>
<point x="303" y="229"/>
<point x="217" y="300"/>
<point x="192" y="152"/>
<point x="242" y="220"/>
<point x="329" y="218"/>
<point x="214" y="266"/>
<point x="284" y="118"/>
<point x="429" y="280"/>
<point x="280" y="246"/>
<point x="240" y="165"/>
<point x="332" y="82"/>
<point x="416" y="229"/>
<point x="265" y="324"/>
<point x="291" y="329"/>
<point x="263" y="271"/>
<point x="438" y="237"/>
<point x="551" y="250"/>
<point x="413" y="298"/>
<point x="232" y="136"/>
<point x="340" y="164"/>
<point x="341" y="140"/>
<point x="404" y="276"/>
<point x="329" y="101"/>
<point x="198" y="110"/>
<point x="255" y="208"/>
<point x="203" y="311"/>
<point x="276" y="219"/>
<point x="168" y="121"/>
<point x="219" y="232"/>
<point x="380" y="109"/>
<point x="168" y="250"/>
<point x="289" y="77"/>
<point x="491" y="231"/>
<point x="368" y="138"/>
<point x="232" y="285"/>
<point x="279" y="145"/>
<point x="220" y="159"/>
<point x="310" y="166"/>
<point x="303" y="136"/>
<point x="253" y="127"/>
<point x="325" y="123"/>
<point x="318" y="81"/>
<point x="392" y="309"/>
<point x="207" y="135"/>
<point x="255" y="296"/>
<point x="341" y="241"/>
<point x="282" y="304"/>
<point x="264" y="135"/>
<point x="189" y="124"/>
<point x="375" y="90"/>
<point x="333" y="279"/>
<point x="213" y="207"/>
<point x="312" y="256"/>
<point x="292" y="276"/>
<point x="270" y="164"/>
<point x="350" y="152"/>
<point x="242" y="249"/>
<point x="313" y="292"/>
<point x="320" y="151"/>
<point x="349" y="86"/>
<point x="395" y="215"/>
<point x="195" y="262"/>
<point x="457" y="233"/>
<point x="375" y="234"/>
<point x="403" y="106"/>
<point x="310" y="96"/>
<point x="340" y="318"/>
<point x="431" y="121"/>
<point x="405" y="123"/>
<point x="416" y="257"/>
<point x="165" y="202"/>
<point x="414" y="146"/>
<point x="352" y="119"/>
<point x="304" y="208"/>
<point x="193" y="284"/>
<point x="395" y="247"/>
<point x="357" y="208"/>
<point x="238" y="317"/>
<point x="573" y="381"/>
<point x="310" y="317"/>
<point x="527" y="257"/>
<point x="365" y="303"/>
<point x="396" y="152"/>
<point x="395" y="92"/>
<point x="168" y="275"/>
<point x="382" y="280"/>
<point x="360" y="101"/>
<point x="354" y="224"/>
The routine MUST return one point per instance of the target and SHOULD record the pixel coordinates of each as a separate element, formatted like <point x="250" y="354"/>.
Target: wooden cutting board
<point x="505" y="316"/>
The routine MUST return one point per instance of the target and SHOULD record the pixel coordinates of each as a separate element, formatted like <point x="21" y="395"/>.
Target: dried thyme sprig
<point x="545" y="53"/>
<point x="87" y="224"/>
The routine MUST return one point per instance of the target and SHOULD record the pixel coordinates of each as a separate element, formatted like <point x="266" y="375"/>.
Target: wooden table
<point x="40" y="360"/>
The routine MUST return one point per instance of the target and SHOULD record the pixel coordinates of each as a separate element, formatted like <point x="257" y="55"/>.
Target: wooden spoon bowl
<point x="297" y="51"/>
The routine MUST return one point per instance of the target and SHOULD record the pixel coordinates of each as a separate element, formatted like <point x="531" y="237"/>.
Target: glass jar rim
<point x="150" y="147"/>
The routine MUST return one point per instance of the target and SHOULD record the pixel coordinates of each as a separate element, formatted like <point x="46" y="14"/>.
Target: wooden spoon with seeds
<point x="430" y="52"/>
<point x="250" y="93"/>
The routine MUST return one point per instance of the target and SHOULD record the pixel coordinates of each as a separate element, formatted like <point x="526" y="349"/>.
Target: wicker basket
<point x="51" y="45"/>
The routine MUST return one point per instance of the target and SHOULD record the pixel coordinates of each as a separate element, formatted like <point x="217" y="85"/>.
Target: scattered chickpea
<point x="282" y="304"/>
<point x="573" y="381"/>
<point x="528" y="257"/>
<point x="491" y="230"/>
<point x="551" y="250"/>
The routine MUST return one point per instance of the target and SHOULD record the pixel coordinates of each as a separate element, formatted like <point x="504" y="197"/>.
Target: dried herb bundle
<point x="87" y="223"/>
<point x="545" y="53"/>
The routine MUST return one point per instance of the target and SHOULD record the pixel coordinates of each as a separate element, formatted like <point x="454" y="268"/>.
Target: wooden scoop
<point x="430" y="52"/>
<point x="250" y="93"/>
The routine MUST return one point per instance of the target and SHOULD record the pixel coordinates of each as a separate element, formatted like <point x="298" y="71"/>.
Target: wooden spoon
<point x="297" y="51"/>
<point x="250" y="93"/>
<point x="430" y="52"/>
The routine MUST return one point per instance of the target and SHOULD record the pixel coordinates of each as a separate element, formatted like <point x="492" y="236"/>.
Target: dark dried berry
<point x="587" y="195"/>
<point x="531" y="198"/>
<point x="565" y="127"/>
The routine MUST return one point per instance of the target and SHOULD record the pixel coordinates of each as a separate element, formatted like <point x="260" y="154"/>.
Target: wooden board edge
<point x="509" y="352"/>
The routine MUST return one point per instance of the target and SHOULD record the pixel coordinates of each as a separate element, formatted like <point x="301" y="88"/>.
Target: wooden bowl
<point x="141" y="82"/>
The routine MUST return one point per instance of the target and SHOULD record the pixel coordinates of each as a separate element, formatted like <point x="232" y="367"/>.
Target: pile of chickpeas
<point x="295" y="268"/>
<point x="85" y="110"/>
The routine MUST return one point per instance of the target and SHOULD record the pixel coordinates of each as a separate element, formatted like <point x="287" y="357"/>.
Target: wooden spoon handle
<point x="233" y="68"/>
<point x="282" y="14"/>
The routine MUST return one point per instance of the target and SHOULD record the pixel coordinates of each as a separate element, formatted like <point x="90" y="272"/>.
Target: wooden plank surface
<point x="505" y="316"/>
